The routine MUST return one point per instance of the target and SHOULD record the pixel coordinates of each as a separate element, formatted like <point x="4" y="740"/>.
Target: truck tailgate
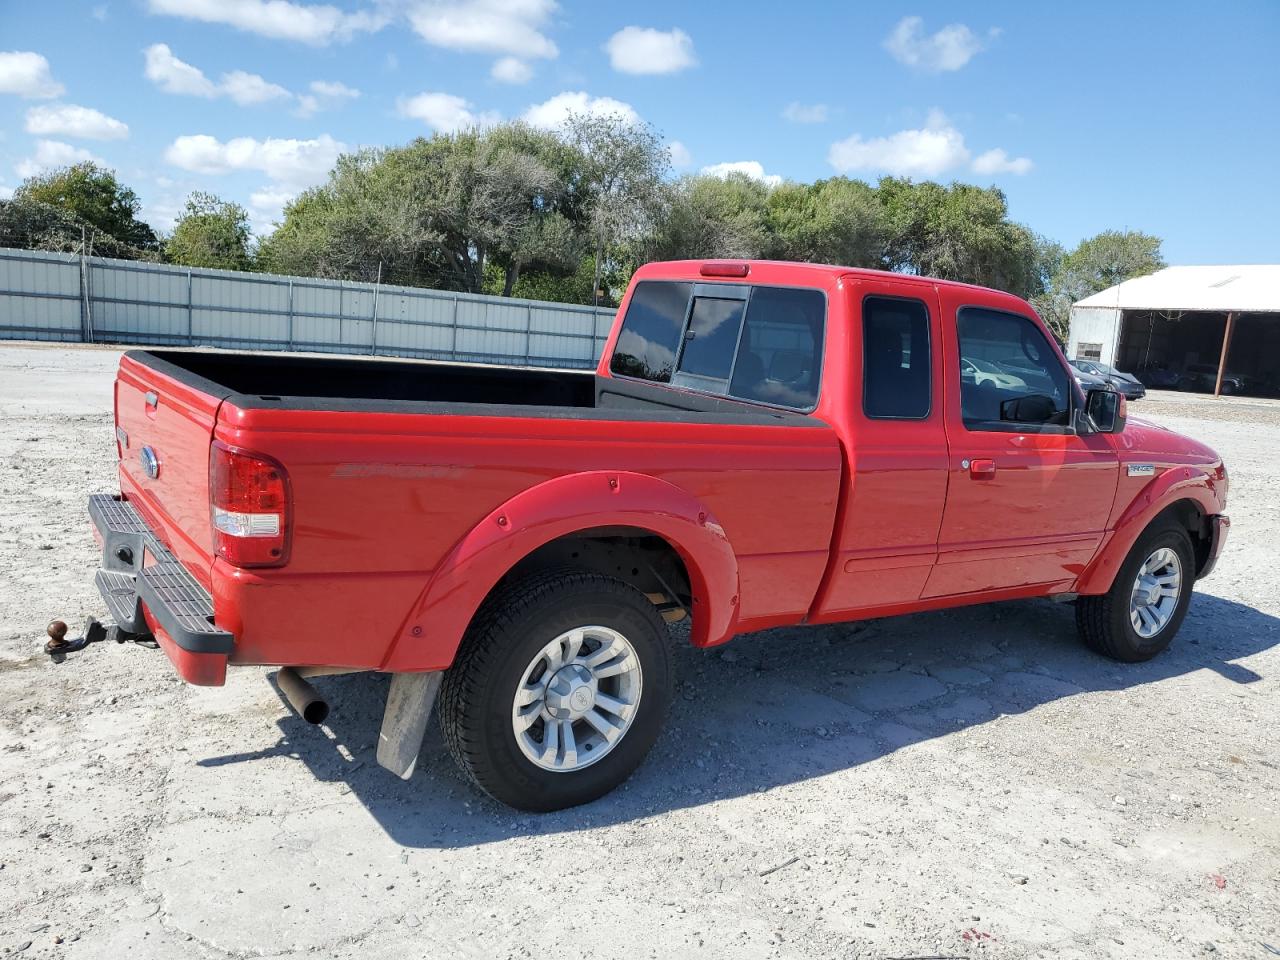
<point x="164" y="428"/>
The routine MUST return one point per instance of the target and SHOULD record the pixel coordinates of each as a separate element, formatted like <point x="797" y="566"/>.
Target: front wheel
<point x="559" y="689"/>
<point x="1139" y="616"/>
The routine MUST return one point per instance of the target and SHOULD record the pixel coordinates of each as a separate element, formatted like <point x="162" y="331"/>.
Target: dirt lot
<point x="967" y="784"/>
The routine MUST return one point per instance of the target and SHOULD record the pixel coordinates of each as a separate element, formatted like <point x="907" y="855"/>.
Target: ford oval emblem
<point x="150" y="462"/>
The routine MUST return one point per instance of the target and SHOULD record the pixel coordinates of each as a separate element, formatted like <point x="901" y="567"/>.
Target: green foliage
<point x="957" y="232"/>
<point x="438" y="211"/>
<point x="830" y="221"/>
<point x="704" y="216"/>
<point x="1097" y="263"/>
<point x="91" y="195"/>
<point x="210" y="233"/>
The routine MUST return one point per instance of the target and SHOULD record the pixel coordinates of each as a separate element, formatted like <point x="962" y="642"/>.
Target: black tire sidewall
<point x="508" y="773"/>
<point x="1131" y="645"/>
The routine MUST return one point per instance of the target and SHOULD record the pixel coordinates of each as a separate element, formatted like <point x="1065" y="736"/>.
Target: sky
<point x="1162" y="117"/>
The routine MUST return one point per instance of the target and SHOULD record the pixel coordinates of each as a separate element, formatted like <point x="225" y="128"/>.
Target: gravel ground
<point x="969" y="783"/>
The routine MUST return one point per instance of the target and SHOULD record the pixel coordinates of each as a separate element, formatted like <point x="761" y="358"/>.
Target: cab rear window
<point x="750" y="342"/>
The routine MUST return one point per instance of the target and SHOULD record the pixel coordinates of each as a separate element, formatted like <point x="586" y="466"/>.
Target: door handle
<point x="980" y="469"/>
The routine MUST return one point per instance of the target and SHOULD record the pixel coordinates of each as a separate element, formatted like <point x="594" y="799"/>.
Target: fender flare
<point x="1178" y="483"/>
<point x="430" y="634"/>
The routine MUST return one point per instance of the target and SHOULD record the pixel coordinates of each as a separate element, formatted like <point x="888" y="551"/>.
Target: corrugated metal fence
<point x="53" y="296"/>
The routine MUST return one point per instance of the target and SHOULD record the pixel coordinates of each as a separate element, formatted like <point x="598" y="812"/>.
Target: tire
<point x="1105" y="622"/>
<point x="512" y="630"/>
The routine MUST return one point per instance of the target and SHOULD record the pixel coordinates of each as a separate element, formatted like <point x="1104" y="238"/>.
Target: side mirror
<point x="1035" y="408"/>
<point x="1107" y="409"/>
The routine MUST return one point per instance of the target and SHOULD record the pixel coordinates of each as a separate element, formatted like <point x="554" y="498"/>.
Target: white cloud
<point x="291" y="163"/>
<point x="100" y="12"/>
<point x="266" y="207"/>
<point x="554" y="112"/>
<point x="511" y="27"/>
<point x="69" y="120"/>
<point x="53" y="153"/>
<point x="949" y="49"/>
<point x="248" y="89"/>
<point x="28" y="75"/>
<point x="680" y="155"/>
<point x="6" y="193"/>
<point x="176" y="76"/>
<point x="644" y="50"/>
<point x="444" y="112"/>
<point x="750" y="168"/>
<point x="511" y="70"/>
<point x="316" y="24"/>
<point x="805" y="113"/>
<point x="927" y="152"/>
<point x="333" y="90"/>
<point x="324" y="95"/>
<point x="998" y="161"/>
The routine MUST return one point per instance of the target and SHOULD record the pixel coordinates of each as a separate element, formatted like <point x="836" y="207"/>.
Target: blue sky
<point x="1163" y="117"/>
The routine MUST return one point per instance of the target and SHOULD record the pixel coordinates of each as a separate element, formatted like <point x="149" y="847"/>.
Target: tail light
<point x="249" y="501"/>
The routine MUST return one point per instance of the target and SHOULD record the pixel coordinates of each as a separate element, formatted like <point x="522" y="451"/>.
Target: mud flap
<point x="404" y="722"/>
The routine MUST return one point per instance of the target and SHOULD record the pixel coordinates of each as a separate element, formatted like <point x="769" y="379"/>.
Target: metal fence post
<point x="453" y="343"/>
<point x="528" y="331"/>
<point x="373" y="333"/>
<point x="191" y="340"/>
<point x="289" y="334"/>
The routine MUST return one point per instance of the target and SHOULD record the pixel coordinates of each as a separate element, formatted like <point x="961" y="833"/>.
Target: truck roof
<point x="693" y="269"/>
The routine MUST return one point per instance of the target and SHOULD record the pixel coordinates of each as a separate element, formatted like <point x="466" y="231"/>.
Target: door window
<point x="896" y="382"/>
<point x="1010" y="377"/>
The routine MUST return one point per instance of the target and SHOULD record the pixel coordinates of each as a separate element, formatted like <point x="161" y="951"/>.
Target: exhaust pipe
<point x="302" y="696"/>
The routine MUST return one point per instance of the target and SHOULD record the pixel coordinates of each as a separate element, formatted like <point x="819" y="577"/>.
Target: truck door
<point x="886" y="533"/>
<point x="1028" y="498"/>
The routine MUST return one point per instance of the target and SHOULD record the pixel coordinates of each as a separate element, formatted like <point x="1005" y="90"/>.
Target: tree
<point x="439" y="212"/>
<point x="94" y="196"/>
<point x="830" y="221"/>
<point x="1099" y="262"/>
<point x="708" y="216"/>
<point x="624" y="167"/>
<point x="957" y="232"/>
<point x="210" y="233"/>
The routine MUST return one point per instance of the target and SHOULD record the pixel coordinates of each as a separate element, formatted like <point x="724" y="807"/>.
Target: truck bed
<point x="288" y="381"/>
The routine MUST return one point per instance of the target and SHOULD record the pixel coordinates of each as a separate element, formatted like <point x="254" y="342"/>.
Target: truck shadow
<point x="780" y="707"/>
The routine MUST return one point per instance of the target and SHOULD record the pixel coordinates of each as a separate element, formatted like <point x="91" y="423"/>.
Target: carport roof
<point x="1254" y="288"/>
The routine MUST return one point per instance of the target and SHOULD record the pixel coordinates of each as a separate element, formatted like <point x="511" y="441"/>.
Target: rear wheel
<point x="1139" y="616"/>
<point x="559" y="689"/>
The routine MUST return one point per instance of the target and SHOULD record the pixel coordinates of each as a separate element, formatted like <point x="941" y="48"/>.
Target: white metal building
<point x="1187" y="326"/>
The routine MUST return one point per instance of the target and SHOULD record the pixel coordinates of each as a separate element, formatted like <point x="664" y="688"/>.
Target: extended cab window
<point x="780" y="353"/>
<point x="752" y="343"/>
<point x="650" y="336"/>
<point x="1010" y="378"/>
<point x="896" y="380"/>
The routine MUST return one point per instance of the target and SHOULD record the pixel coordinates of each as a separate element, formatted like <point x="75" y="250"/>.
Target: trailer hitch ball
<point x="57" y="631"/>
<point x="58" y="646"/>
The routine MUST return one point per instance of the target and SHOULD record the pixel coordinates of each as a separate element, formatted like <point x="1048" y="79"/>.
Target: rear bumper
<point x="148" y="591"/>
<point x="1219" y="526"/>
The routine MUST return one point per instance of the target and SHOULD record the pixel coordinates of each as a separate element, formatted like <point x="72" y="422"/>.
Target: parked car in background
<point x="1126" y="383"/>
<point x="1202" y="377"/>
<point x="1159" y="377"/>
<point x="978" y="372"/>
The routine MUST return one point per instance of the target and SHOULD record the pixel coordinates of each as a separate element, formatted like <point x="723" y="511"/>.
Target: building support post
<point x="1226" y="346"/>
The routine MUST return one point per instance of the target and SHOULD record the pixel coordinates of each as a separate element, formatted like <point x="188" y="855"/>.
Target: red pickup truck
<point x="762" y="444"/>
